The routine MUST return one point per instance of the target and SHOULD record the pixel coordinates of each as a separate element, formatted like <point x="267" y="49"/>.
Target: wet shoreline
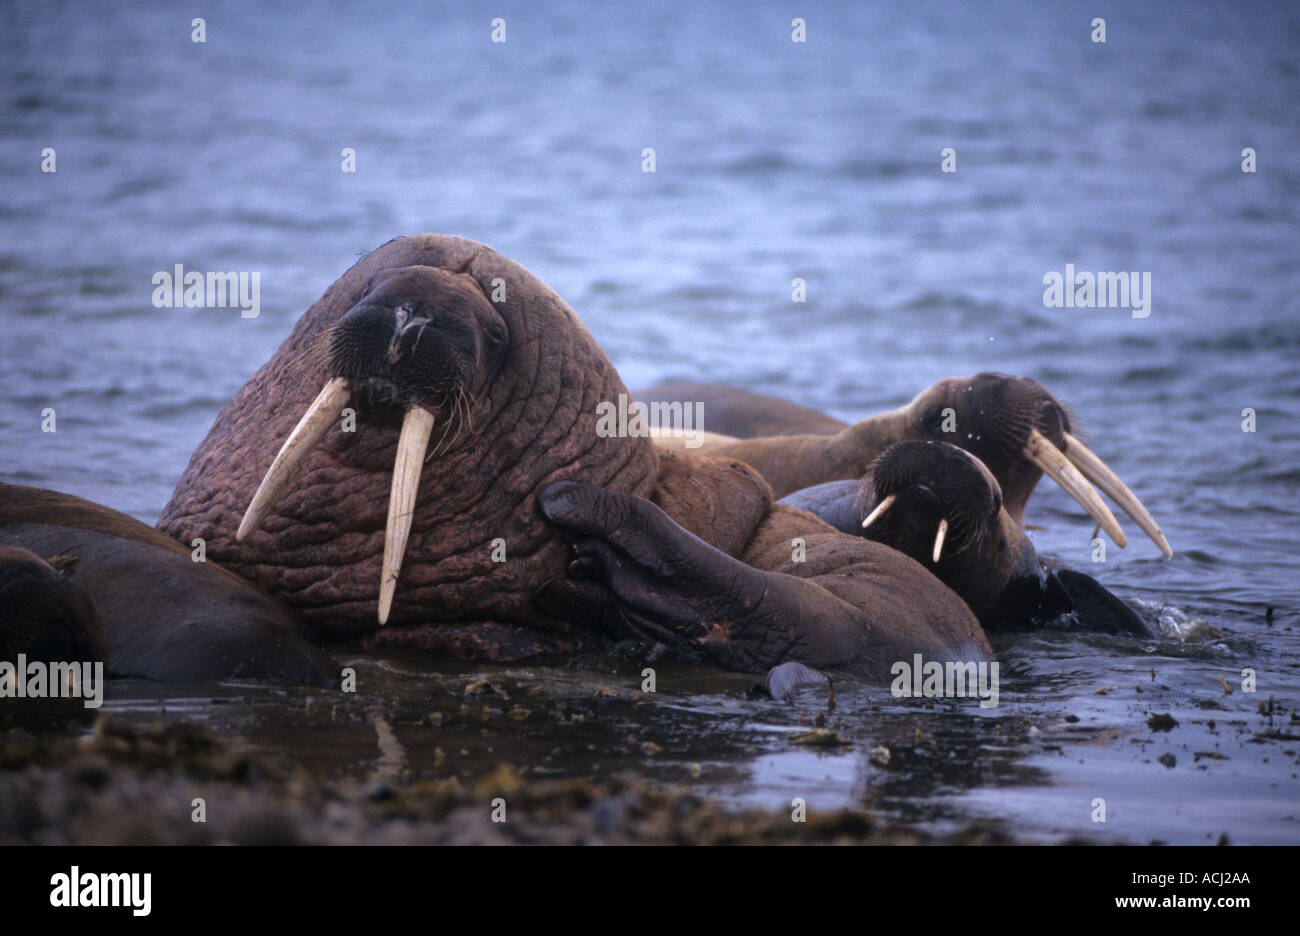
<point x="423" y="747"/>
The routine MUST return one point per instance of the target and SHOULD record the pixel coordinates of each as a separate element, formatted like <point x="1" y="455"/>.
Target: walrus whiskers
<point x="324" y="410"/>
<point x="879" y="512"/>
<point x="1100" y="474"/>
<point x="1056" y="466"/>
<point x="939" y="538"/>
<point x="417" y="427"/>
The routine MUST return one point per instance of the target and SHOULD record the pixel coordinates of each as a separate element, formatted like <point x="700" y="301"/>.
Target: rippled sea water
<point x="774" y="160"/>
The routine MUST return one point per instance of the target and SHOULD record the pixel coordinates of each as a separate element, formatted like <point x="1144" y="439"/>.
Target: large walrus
<point x="135" y="599"/>
<point x="942" y="506"/>
<point x="1012" y="424"/>
<point x="419" y="465"/>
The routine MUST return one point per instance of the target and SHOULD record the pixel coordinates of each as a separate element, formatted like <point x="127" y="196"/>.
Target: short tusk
<point x="306" y="435"/>
<point x="939" y="538"/>
<point x="1056" y="466"/>
<point x="879" y="512"/>
<point x="1100" y="474"/>
<point x="417" y="426"/>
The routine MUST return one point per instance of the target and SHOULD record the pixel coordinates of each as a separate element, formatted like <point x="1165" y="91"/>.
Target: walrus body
<point x="744" y="414"/>
<point x="942" y="507"/>
<point x="531" y="532"/>
<point x="157" y="614"/>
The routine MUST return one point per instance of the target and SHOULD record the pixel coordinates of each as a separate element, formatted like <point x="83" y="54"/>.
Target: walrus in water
<point x="135" y="599"/>
<point x="420" y="465"/>
<point x="942" y="506"/>
<point x="1012" y="424"/>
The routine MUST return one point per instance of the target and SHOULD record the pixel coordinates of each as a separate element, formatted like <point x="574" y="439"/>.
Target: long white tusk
<point x="1100" y="474"/>
<point x="417" y="426"/>
<point x="939" y="537"/>
<point x="879" y="511"/>
<point x="1056" y="466"/>
<point x="311" y="428"/>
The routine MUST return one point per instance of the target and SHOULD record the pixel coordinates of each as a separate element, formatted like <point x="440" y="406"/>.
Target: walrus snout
<point x="428" y="356"/>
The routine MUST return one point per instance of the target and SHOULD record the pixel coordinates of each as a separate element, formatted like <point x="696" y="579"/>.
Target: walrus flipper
<point x="783" y="680"/>
<point x="635" y="569"/>
<point x="1099" y="609"/>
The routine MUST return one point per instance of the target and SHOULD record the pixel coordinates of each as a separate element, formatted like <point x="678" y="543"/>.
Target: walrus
<point x="137" y="600"/>
<point x="419" y="465"/>
<point x="943" y="507"/>
<point x="1012" y="424"/>
<point x="42" y="614"/>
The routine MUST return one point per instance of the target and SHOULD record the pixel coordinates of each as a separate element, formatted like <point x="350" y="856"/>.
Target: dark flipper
<point x="1097" y="608"/>
<point x="637" y="570"/>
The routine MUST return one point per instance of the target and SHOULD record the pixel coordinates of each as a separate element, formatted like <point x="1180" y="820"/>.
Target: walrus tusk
<point x="1100" y="474"/>
<point x="314" y="424"/>
<point x="879" y="511"/>
<point x="1056" y="466"/>
<point x="417" y="426"/>
<point x="939" y="537"/>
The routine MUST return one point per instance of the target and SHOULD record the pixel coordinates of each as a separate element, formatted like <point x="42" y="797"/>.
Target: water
<point x="774" y="160"/>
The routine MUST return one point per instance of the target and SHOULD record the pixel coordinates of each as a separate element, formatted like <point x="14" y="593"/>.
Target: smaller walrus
<point x="1012" y="424"/>
<point x="941" y="506"/>
<point x="42" y="614"/>
<point x="156" y="613"/>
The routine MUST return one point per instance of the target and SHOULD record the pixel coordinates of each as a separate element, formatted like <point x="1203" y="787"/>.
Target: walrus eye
<point x="932" y="423"/>
<point x="496" y="334"/>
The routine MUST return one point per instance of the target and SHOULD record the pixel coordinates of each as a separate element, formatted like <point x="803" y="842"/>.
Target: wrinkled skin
<point x="602" y="536"/>
<point x="985" y="557"/>
<point x="795" y="447"/>
<point x="159" y="614"/>
<point x="42" y="614"/>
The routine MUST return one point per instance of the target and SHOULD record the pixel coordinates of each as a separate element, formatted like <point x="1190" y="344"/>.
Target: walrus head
<point x="1020" y="432"/>
<point x="422" y="343"/>
<point x="495" y="383"/>
<point x="942" y="506"/>
<point x="929" y="499"/>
